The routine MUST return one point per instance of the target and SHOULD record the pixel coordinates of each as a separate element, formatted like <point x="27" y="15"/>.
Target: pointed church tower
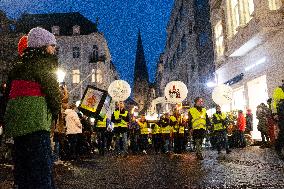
<point x="141" y="77"/>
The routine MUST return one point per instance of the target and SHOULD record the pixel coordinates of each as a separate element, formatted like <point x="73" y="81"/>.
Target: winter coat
<point x="249" y="122"/>
<point x="73" y="123"/>
<point x="241" y="122"/>
<point x="261" y="114"/>
<point x="34" y="96"/>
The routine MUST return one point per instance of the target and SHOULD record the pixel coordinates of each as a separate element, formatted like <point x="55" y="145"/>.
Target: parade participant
<point x="166" y="131"/>
<point x="120" y="118"/>
<point x="144" y="134"/>
<point x="101" y="128"/>
<point x="261" y="115"/>
<point x="220" y="130"/>
<point x="198" y="122"/>
<point x="34" y="101"/>
<point x="59" y="130"/>
<point x="157" y="137"/>
<point x="241" y="125"/>
<point x="178" y="131"/>
<point x="73" y="130"/>
<point x="134" y="133"/>
<point x="278" y="106"/>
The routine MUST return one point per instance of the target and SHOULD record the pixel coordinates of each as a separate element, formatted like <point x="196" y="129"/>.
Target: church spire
<point x="141" y="77"/>
<point x="140" y="70"/>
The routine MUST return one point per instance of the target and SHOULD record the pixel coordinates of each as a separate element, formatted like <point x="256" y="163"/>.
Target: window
<point x="76" y="52"/>
<point x="250" y="7"/>
<point x="219" y="39"/>
<point x="97" y="76"/>
<point x="76" y="76"/>
<point x="76" y="30"/>
<point x="95" y="52"/>
<point x="55" y="30"/>
<point x="274" y="4"/>
<point x="235" y="15"/>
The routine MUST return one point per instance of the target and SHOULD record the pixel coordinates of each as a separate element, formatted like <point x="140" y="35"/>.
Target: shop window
<point x="274" y="4"/>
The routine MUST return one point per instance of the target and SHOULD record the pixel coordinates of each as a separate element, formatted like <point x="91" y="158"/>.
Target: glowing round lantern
<point x="119" y="90"/>
<point x="222" y="94"/>
<point x="176" y="91"/>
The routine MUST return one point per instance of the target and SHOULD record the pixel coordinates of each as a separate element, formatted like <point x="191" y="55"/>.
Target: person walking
<point x="33" y="103"/>
<point x="220" y="130"/>
<point x="261" y="115"/>
<point x="278" y="108"/>
<point x="241" y="125"/>
<point x="73" y="129"/>
<point x="198" y="122"/>
<point x="120" y="118"/>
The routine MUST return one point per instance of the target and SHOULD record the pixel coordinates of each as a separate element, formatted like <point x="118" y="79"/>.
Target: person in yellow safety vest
<point x="120" y="118"/>
<point x="166" y="131"/>
<point x="278" y="106"/>
<point x="198" y="122"/>
<point x="176" y="122"/>
<point x="157" y="137"/>
<point x="144" y="133"/>
<point x="220" y="129"/>
<point x="101" y="128"/>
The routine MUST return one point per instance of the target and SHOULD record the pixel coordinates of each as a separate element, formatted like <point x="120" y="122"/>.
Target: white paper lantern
<point x="222" y="94"/>
<point x="176" y="91"/>
<point x="119" y="90"/>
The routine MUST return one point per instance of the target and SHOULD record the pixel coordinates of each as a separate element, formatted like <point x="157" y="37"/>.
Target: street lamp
<point x="60" y="75"/>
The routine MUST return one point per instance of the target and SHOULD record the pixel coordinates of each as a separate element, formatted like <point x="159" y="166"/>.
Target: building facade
<point x="248" y="38"/>
<point x="82" y="50"/>
<point x="188" y="54"/>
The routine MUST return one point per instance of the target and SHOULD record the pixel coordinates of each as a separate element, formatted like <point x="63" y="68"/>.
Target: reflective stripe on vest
<point x="157" y="129"/>
<point x="143" y="128"/>
<point x="198" y="118"/>
<point x="116" y="117"/>
<point x="102" y="123"/>
<point x="219" y="126"/>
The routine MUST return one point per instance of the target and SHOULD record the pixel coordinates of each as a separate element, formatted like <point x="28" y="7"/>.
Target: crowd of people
<point x="35" y="109"/>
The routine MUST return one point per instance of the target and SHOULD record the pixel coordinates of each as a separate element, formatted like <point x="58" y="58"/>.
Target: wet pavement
<point x="251" y="167"/>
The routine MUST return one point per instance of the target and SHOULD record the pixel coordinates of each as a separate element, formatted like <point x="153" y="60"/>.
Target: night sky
<point x="119" y="20"/>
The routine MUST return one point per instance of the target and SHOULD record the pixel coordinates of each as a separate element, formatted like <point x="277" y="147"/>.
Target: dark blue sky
<point x="119" y="20"/>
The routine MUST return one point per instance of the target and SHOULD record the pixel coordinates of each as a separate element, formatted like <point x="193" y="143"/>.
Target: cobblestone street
<point x="251" y="167"/>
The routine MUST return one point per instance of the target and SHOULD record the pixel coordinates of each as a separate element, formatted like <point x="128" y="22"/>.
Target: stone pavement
<point x="250" y="167"/>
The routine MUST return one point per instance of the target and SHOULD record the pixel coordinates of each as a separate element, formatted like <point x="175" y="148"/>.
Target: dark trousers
<point x="241" y="139"/>
<point x="101" y="141"/>
<point x="178" y="142"/>
<point x="33" y="161"/>
<point x="73" y="148"/>
<point x="221" y="140"/>
<point x="198" y="137"/>
<point x="134" y="142"/>
<point x="279" y="144"/>
<point x="143" y="141"/>
<point x="157" y="140"/>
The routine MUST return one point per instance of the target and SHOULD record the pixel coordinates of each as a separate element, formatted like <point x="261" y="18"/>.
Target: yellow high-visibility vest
<point x="143" y="128"/>
<point x="219" y="126"/>
<point x="102" y="124"/>
<point x="198" y="118"/>
<point x="278" y="94"/>
<point x="157" y="129"/>
<point x="116" y="117"/>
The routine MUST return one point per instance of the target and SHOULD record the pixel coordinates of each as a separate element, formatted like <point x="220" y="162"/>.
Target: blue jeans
<point x="33" y="161"/>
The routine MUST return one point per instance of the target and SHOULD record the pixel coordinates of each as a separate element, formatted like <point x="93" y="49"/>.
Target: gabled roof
<point x="65" y="21"/>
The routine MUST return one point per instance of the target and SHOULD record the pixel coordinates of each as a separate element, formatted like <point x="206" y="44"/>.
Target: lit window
<point x="275" y="4"/>
<point x="250" y="6"/>
<point x="235" y="15"/>
<point x="76" y="76"/>
<point x="76" y="52"/>
<point x="219" y="39"/>
<point x="99" y="76"/>
<point x="93" y="76"/>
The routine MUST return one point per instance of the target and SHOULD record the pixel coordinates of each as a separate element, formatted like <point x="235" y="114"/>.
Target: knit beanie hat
<point x="39" y="37"/>
<point x="22" y="45"/>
